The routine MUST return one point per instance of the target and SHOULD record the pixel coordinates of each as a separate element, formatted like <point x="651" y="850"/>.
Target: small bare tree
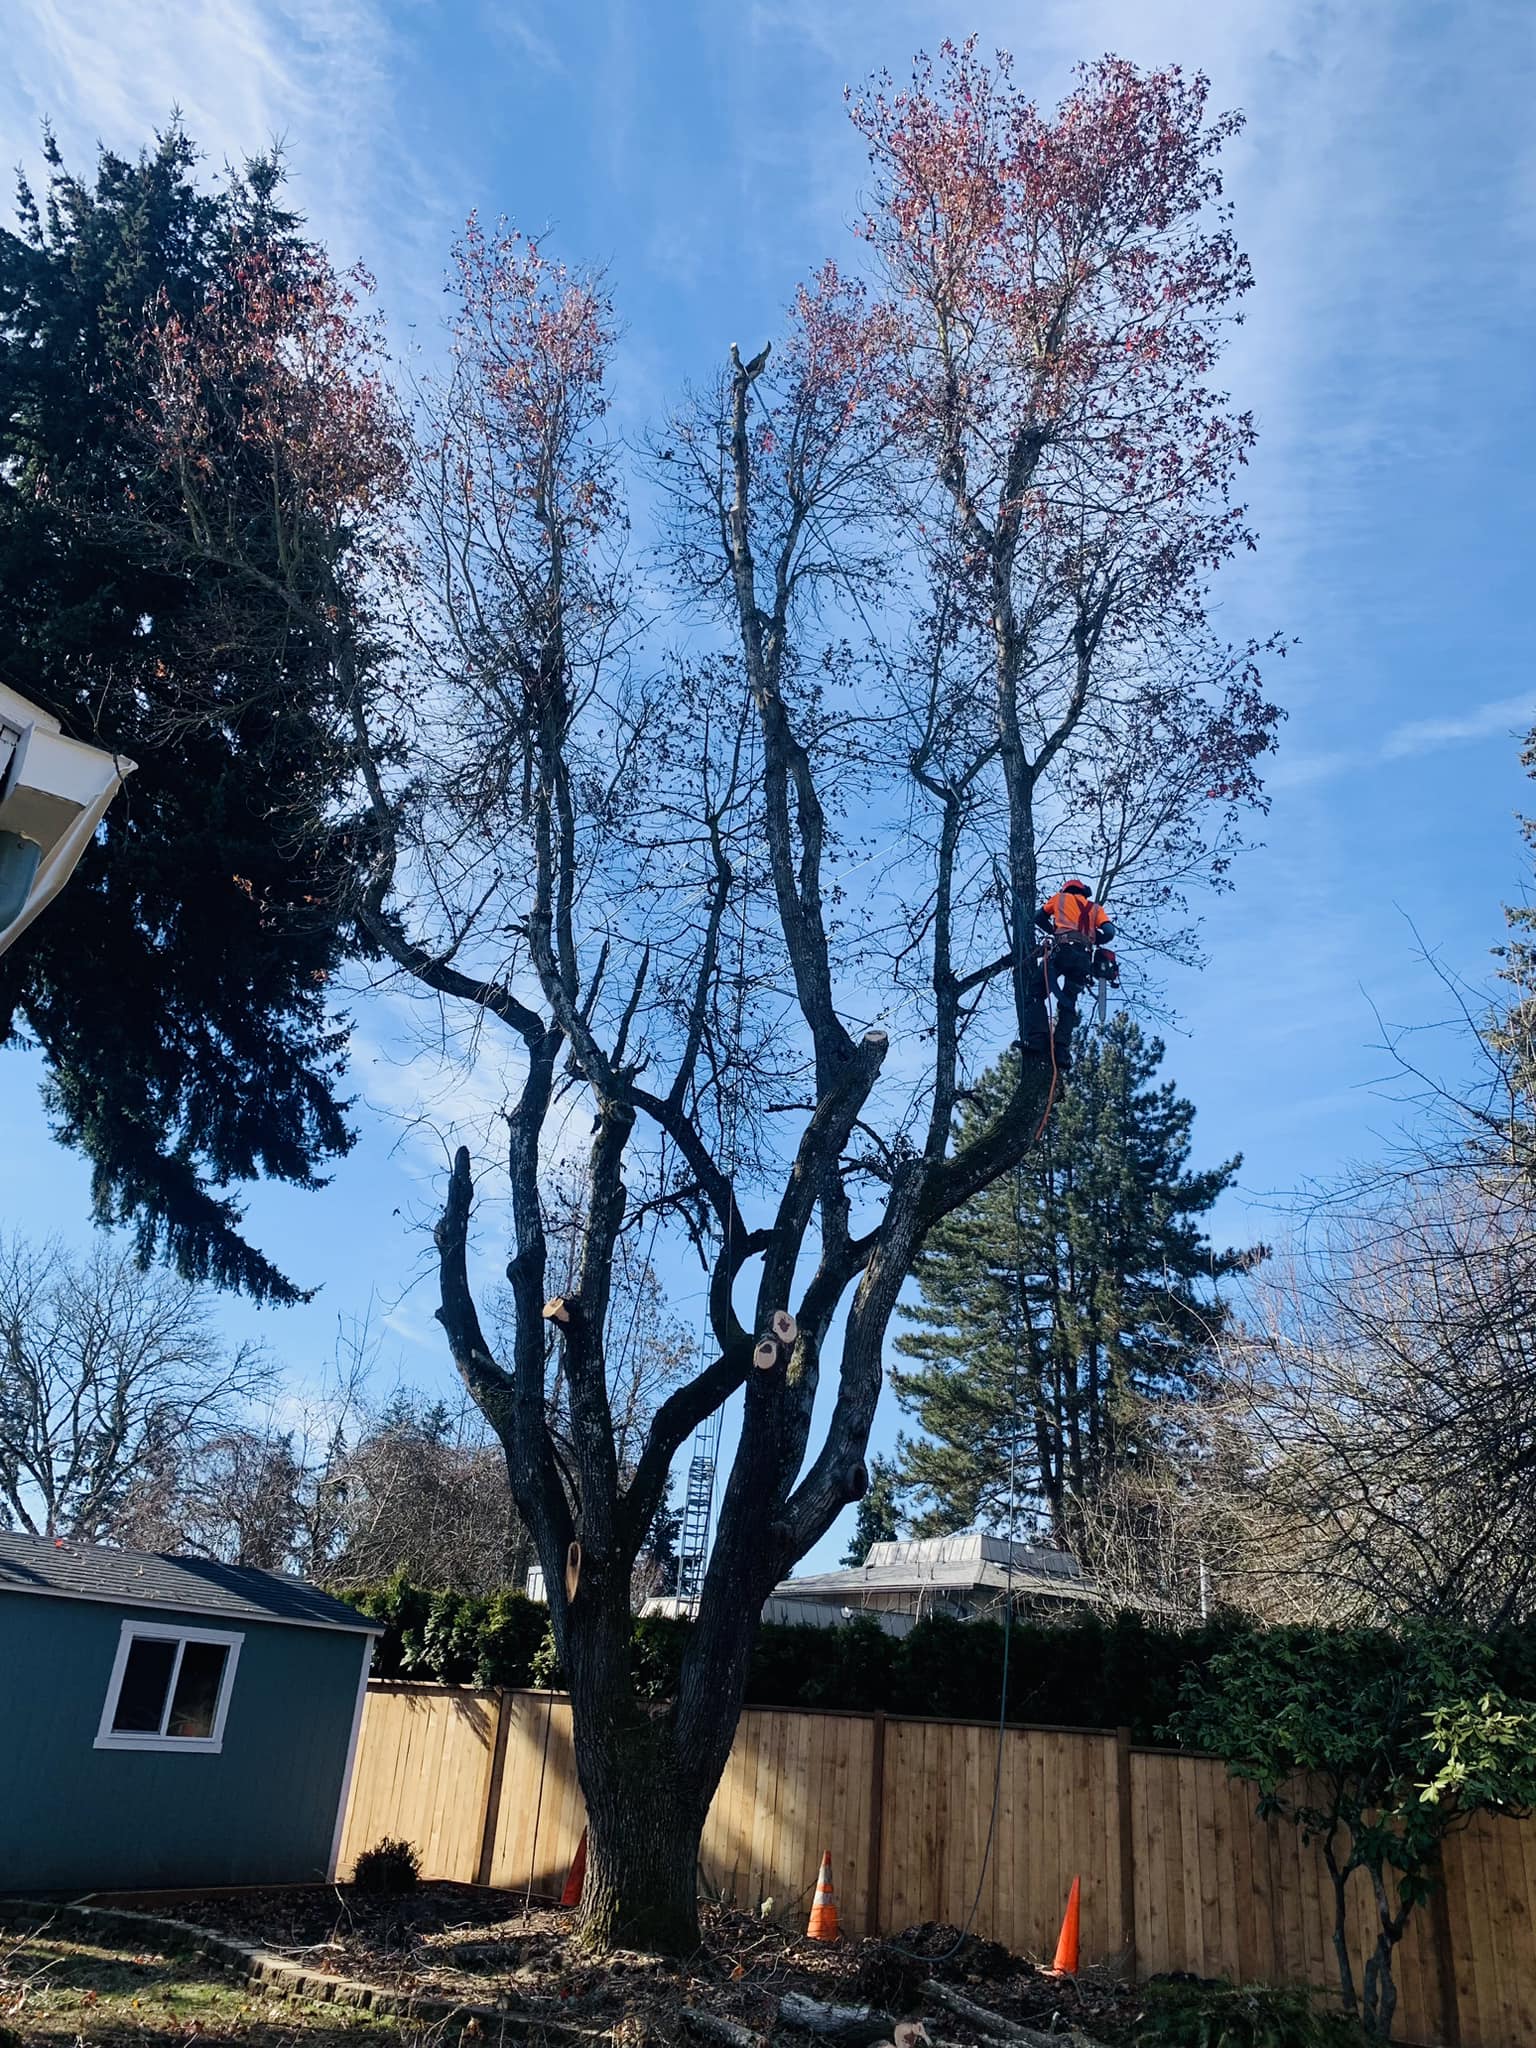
<point x="109" y="1375"/>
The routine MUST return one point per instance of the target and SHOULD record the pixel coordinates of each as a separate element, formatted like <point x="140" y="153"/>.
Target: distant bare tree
<point x="109" y="1377"/>
<point x="1392" y="1400"/>
<point x="424" y="1491"/>
<point x="239" y="1496"/>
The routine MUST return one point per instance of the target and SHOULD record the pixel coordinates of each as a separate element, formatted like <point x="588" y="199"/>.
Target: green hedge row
<point x="1093" y="1671"/>
<point x="1090" y="1672"/>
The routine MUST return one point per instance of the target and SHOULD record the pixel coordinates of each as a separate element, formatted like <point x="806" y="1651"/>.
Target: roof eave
<point x="359" y="1627"/>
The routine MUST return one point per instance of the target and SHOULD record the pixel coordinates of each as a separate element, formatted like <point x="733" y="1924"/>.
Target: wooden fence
<point x="1177" y="1872"/>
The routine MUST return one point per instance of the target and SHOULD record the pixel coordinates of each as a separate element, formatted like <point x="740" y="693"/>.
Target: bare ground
<point x="482" y="1948"/>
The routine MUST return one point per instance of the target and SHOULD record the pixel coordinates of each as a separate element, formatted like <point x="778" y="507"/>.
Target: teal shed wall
<point x="77" y="1818"/>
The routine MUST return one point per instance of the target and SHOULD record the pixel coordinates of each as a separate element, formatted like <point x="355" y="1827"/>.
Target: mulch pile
<point x="457" y="1941"/>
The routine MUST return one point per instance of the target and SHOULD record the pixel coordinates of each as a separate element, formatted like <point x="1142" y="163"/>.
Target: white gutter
<point x="54" y="792"/>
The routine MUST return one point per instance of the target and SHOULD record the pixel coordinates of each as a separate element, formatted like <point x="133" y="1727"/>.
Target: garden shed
<point x="170" y="1721"/>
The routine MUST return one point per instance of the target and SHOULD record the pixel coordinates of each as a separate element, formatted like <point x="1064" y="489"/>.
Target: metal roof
<point x="971" y="1547"/>
<point x="938" y="1578"/>
<point x="61" y="1569"/>
<point x="969" y="1563"/>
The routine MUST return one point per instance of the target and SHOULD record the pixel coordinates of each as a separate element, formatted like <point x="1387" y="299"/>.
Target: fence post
<point x="1127" y="1849"/>
<point x="494" y="1776"/>
<point x="876" y="1818"/>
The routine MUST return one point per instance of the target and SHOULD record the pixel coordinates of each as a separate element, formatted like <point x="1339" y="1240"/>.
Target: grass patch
<point x="63" y="1991"/>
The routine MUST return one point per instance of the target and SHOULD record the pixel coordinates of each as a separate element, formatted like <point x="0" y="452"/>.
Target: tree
<point x="423" y="1491"/>
<point x="658" y="1566"/>
<point x="1066" y="1308"/>
<point x="1375" y="1746"/>
<point x="878" y="1519"/>
<point x="1390" y="1387"/>
<point x="692" y="890"/>
<point x="109" y="1376"/>
<point x="240" y="1496"/>
<point x="213" y="892"/>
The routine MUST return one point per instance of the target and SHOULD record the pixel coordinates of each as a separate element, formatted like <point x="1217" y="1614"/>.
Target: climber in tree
<point x="1076" y="949"/>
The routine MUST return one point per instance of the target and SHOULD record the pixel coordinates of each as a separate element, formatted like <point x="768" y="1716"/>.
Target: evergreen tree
<point x="1076" y="1295"/>
<point x="878" y="1517"/>
<point x="179" y="988"/>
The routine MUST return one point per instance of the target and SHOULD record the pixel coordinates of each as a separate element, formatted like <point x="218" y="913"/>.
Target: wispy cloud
<point x="320" y="77"/>
<point x="1499" y="719"/>
<point x="513" y="24"/>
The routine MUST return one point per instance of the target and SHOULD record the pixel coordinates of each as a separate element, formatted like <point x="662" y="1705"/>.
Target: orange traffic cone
<point x="824" y="1925"/>
<point x="571" y="1896"/>
<point x="1065" y="1964"/>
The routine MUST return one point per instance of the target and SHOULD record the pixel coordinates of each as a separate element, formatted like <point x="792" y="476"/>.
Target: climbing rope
<point x="1016" y="1407"/>
<point x="1050" y="1018"/>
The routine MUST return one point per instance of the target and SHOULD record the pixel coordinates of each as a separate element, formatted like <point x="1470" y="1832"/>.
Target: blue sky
<point x="1386" y="189"/>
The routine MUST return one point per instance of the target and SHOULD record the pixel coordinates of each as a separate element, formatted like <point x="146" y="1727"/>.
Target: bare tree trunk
<point x="1380" y="1988"/>
<point x="1341" y="1930"/>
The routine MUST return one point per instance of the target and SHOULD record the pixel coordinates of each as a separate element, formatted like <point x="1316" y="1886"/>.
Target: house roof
<point x="950" y="1564"/>
<point x="971" y="1547"/>
<point x="62" y="1569"/>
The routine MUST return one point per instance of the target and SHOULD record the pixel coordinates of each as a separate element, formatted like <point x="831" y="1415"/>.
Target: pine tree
<point x="179" y="989"/>
<point x="877" y="1519"/>
<point x="1064" y="1308"/>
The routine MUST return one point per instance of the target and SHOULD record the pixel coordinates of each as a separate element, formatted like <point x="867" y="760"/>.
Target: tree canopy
<point x="739" y="875"/>
<point x="181" y="988"/>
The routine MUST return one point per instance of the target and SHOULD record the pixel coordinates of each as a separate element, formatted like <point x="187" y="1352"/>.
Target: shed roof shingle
<point x="145" y="1578"/>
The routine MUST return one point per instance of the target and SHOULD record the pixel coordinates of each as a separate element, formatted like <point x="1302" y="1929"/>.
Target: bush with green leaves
<point x="1206" y="2015"/>
<point x="391" y="1869"/>
<point x="1375" y="1745"/>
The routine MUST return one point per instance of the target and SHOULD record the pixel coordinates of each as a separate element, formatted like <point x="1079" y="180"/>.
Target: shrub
<point x="1086" y="1670"/>
<point x="510" y="1633"/>
<point x="389" y="1870"/>
<point x="1205" y="2015"/>
<point x="544" y="1669"/>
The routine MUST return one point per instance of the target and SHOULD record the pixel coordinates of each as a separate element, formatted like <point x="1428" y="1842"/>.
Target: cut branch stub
<point x="784" y="1326"/>
<point x="560" y="1310"/>
<point x="765" y="1355"/>
<point x="572" y="1572"/>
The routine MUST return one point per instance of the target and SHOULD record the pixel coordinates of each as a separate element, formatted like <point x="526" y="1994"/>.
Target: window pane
<point x="197" y="1689"/>
<point x="146" y="1675"/>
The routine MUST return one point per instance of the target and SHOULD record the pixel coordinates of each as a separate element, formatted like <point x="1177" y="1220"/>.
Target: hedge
<point x="1091" y="1671"/>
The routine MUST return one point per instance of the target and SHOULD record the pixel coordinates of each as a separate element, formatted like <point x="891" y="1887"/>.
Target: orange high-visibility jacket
<point x="1075" y="917"/>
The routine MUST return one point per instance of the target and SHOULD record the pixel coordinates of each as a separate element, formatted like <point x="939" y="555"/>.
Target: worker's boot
<point x="1066" y="1020"/>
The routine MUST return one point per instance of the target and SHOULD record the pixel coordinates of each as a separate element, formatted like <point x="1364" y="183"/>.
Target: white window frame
<point x="108" y="1737"/>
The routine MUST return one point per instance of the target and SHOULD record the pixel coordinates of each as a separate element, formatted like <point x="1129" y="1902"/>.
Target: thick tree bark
<point x="645" y="1815"/>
